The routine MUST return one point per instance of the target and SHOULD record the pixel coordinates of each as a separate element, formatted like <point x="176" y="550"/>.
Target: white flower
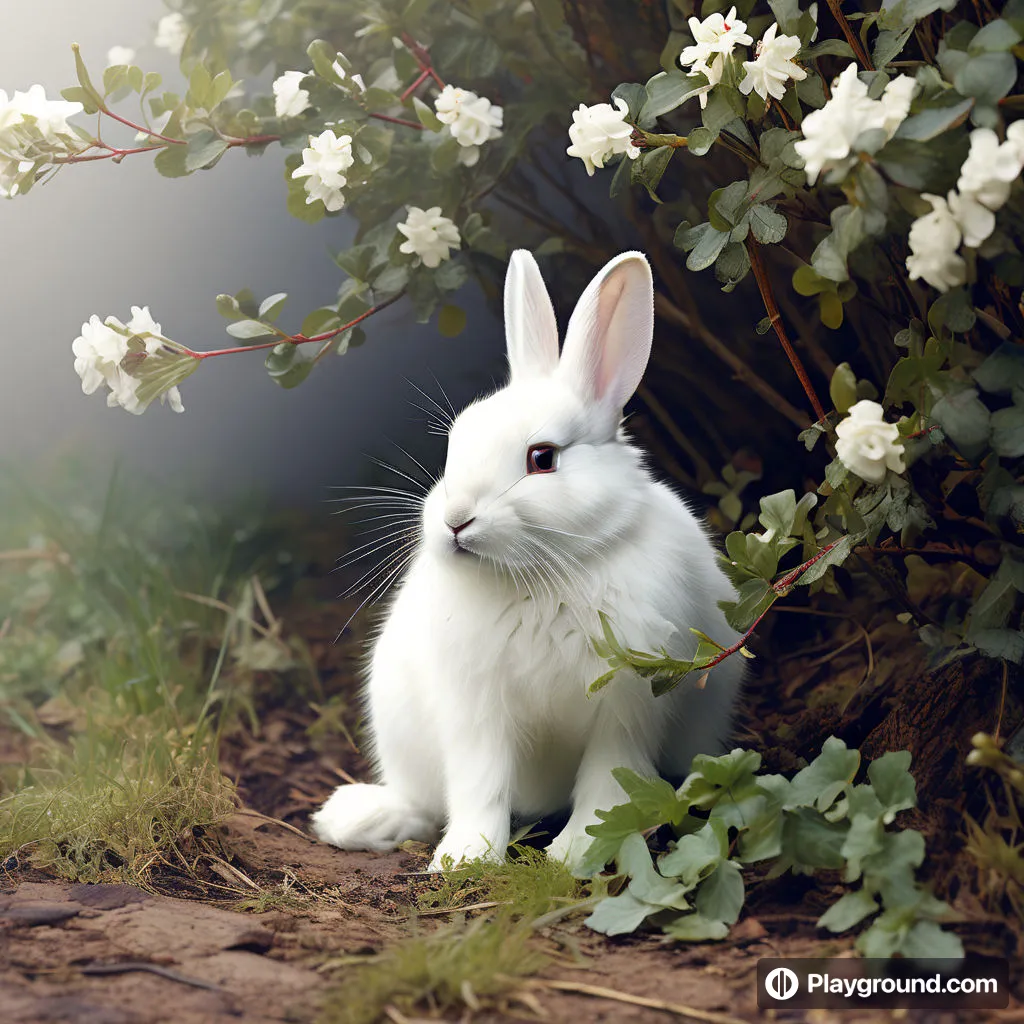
<point x="120" y="55"/>
<point x="896" y="103"/>
<point x="172" y="33"/>
<point x="714" y="35"/>
<point x="975" y="221"/>
<point x="867" y="445"/>
<point x="599" y="132"/>
<point x="289" y="99"/>
<point x="991" y="167"/>
<point x="773" y="67"/>
<point x="1015" y="136"/>
<point x="831" y="132"/>
<point x="934" y="240"/>
<point x="323" y="165"/>
<point x="100" y="351"/>
<point x="49" y="117"/>
<point x="472" y="120"/>
<point x="429" y="235"/>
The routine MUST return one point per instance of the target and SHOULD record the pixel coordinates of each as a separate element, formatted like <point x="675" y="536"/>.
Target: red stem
<point x="295" y="339"/>
<point x="398" y="120"/>
<point x="422" y="57"/>
<point x="765" y="287"/>
<point x="779" y="586"/>
<point x="415" y="85"/>
<point x="146" y="131"/>
<point x="783" y="584"/>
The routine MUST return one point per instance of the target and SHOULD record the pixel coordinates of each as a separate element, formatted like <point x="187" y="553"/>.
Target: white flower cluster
<point x="867" y="445"/>
<point x="831" y="133"/>
<point x="472" y="120"/>
<point x="101" y="353"/>
<point x="324" y="163"/>
<point x="968" y="213"/>
<point x="600" y="132"/>
<point x="715" y="39"/>
<point x="32" y="129"/>
<point x="291" y="100"/>
<point x="172" y="33"/>
<point x="120" y="55"/>
<point x="429" y="235"/>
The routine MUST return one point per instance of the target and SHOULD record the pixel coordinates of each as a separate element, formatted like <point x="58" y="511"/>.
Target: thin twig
<point x="458" y="910"/>
<point x="771" y="307"/>
<point x="600" y="992"/>
<point x="852" y="38"/>
<point x="163" y="972"/>
<point x="249" y="812"/>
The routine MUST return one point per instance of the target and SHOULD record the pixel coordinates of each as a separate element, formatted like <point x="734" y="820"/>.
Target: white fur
<point x="478" y="681"/>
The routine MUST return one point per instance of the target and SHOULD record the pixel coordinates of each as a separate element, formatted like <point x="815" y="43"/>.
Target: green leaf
<point x="649" y="167"/>
<point x="889" y="45"/>
<point x="767" y="224"/>
<point x="964" y="418"/>
<point x="445" y="157"/>
<point x="696" y="855"/>
<point x="246" y="330"/>
<point x="1008" y="430"/>
<point x="287" y="365"/>
<point x="700" y="140"/>
<point x="666" y="91"/>
<point x="934" y="121"/>
<point x="732" y="265"/>
<point x="842" y="388"/>
<point x="848" y="911"/>
<point x="755" y="597"/>
<point x="707" y="249"/>
<point x="696" y="928"/>
<point x="451" y="321"/>
<point x="171" y="162"/>
<point x="820" y="783"/>
<point x="426" y="115"/>
<point x="1007" y="644"/>
<point x="199" y="87"/>
<point x="227" y="306"/>
<point x="1002" y="371"/>
<point x="84" y="80"/>
<point x="76" y="94"/>
<point x="322" y="56"/>
<point x="892" y="782"/>
<point x="619" y="915"/>
<point x="635" y="96"/>
<point x="270" y="307"/>
<point x="988" y="77"/>
<point x="997" y="36"/>
<point x="204" y="149"/>
<point x="720" y="896"/>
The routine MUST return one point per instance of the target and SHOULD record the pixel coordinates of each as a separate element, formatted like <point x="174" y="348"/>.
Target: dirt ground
<point x="204" y="946"/>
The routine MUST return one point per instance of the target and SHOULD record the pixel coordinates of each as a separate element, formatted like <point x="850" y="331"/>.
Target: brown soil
<point x="192" y="951"/>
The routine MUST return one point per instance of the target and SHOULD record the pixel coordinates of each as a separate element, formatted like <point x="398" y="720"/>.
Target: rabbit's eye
<point x="542" y="458"/>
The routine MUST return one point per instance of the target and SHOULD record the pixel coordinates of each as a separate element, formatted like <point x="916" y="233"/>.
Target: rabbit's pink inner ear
<point x="609" y="339"/>
<point x="531" y="331"/>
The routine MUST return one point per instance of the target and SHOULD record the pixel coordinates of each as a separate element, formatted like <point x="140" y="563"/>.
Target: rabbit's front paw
<point x="365" y="817"/>
<point x="460" y="847"/>
<point x="569" y="846"/>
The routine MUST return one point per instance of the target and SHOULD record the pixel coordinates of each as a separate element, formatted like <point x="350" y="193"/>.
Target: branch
<point x="771" y="307"/>
<point x="295" y="339"/>
<point x="851" y="37"/>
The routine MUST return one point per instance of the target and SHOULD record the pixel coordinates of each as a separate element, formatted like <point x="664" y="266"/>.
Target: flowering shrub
<point x="857" y="175"/>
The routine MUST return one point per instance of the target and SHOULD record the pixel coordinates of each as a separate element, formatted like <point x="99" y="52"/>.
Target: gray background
<point x="100" y="238"/>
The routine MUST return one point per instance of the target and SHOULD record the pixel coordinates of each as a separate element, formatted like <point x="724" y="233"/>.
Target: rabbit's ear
<point x="531" y="331"/>
<point x="609" y="338"/>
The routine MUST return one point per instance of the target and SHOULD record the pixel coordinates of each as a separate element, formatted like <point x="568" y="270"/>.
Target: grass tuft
<point x="462" y="965"/>
<point x="130" y="639"/>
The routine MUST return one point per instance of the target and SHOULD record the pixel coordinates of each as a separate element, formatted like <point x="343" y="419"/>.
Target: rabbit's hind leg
<point x="372" y="817"/>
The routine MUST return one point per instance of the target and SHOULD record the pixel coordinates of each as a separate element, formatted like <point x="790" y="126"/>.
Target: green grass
<point x="462" y="965"/>
<point x="131" y="635"/>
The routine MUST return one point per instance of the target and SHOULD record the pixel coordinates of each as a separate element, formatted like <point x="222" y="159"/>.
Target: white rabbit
<point x="545" y="514"/>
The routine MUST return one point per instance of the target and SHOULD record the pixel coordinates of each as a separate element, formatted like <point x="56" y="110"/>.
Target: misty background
<point x="101" y="237"/>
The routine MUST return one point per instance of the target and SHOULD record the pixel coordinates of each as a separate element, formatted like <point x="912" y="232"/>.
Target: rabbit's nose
<point x="458" y="515"/>
<point x="456" y="530"/>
